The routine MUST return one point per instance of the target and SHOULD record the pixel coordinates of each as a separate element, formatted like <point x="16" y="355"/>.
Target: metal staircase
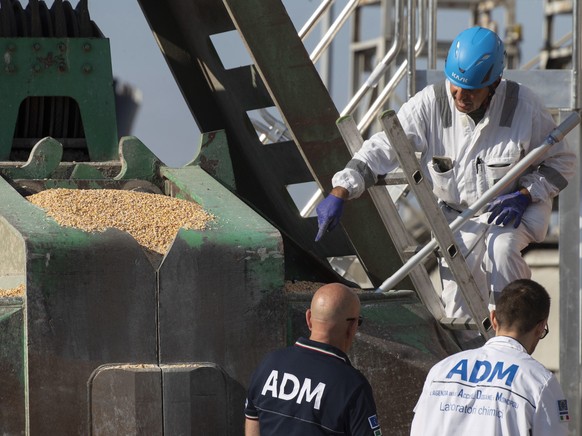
<point x="283" y="76"/>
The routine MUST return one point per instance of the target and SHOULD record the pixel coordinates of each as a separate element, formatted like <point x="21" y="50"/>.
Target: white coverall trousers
<point x="493" y="254"/>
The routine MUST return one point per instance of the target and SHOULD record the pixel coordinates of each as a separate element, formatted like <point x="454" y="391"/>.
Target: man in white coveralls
<point x="471" y="129"/>
<point x="497" y="389"/>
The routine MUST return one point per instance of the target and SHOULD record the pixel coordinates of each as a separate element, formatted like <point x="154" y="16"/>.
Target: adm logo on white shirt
<point x="483" y="370"/>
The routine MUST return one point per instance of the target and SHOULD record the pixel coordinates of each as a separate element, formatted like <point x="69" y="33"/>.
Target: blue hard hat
<point x="476" y="58"/>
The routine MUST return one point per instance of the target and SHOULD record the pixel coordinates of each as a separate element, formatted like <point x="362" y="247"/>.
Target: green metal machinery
<point x="110" y="339"/>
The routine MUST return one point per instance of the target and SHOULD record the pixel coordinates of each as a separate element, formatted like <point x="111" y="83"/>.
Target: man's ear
<point x="308" y="318"/>
<point x="541" y="327"/>
<point x="352" y="328"/>
<point x="493" y="318"/>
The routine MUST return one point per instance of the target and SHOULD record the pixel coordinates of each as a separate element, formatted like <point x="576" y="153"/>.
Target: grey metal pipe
<point x="555" y="136"/>
<point x="384" y="64"/>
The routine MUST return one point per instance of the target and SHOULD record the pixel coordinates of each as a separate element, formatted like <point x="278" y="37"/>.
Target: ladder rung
<point x="411" y="250"/>
<point x="395" y="178"/>
<point x="462" y="323"/>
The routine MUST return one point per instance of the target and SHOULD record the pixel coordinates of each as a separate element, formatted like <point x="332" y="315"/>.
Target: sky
<point x="164" y="123"/>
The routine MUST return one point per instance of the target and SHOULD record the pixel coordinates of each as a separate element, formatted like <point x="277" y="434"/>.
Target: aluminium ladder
<point x="404" y="243"/>
<point x="441" y="229"/>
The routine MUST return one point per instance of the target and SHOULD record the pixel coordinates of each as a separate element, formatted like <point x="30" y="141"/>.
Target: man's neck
<point x="477" y="115"/>
<point x="327" y="339"/>
<point x="527" y="341"/>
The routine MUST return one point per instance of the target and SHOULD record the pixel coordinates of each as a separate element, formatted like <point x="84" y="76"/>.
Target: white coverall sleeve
<point x="548" y="420"/>
<point x="376" y="157"/>
<point x="556" y="167"/>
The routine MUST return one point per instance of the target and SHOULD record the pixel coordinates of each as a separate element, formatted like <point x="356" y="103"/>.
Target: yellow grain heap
<point x="302" y="287"/>
<point x="152" y="219"/>
<point x="305" y="287"/>
<point x="13" y="292"/>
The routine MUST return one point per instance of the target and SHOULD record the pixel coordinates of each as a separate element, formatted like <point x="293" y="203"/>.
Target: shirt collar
<point x="320" y="347"/>
<point x="507" y="341"/>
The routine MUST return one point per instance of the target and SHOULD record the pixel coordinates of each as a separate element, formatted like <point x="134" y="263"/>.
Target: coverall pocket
<point x="488" y="174"/>
<point x="444" y="185"/>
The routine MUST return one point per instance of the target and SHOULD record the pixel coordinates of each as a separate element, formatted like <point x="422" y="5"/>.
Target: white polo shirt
<point x="498" y="389"/>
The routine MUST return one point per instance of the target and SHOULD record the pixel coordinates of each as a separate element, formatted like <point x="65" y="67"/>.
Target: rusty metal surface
<point x="92" y="304"/>
<point x="192" y="398"/>
<point x="199" y="400"/>
<point x="12" y="367"/>
<point x="125" y="399"/>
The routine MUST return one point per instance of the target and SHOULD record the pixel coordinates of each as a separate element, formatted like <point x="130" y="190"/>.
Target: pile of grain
<point x="306" y="287"/>
<point x="13" y="292"/>
<point x="301" y="287"/>
<point x="152" y="219"/>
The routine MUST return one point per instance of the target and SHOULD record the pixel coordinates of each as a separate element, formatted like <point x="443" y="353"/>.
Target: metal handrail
<point x="377" y="105"/>
<point x="432" y="34"/>
<point x="536" y="59"/>
<point x="411" y="52"/>
<point x="383" y="65"/>
<point x="314" y="19"/>
<point x="576" y="54"/>
<point x="333" y="30"/>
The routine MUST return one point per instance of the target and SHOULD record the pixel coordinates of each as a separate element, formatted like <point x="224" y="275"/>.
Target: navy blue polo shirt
<point x="311" y="388"/>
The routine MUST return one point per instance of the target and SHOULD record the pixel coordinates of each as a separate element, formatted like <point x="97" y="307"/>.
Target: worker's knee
<point x="505" y="245"/>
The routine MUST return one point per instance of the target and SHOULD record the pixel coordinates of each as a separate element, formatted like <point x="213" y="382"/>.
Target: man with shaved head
<point x="311" y="388"/>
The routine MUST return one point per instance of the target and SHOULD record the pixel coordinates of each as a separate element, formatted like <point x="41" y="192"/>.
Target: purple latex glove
<point x="507" y="208"/>
<point x="329" y="212"/>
